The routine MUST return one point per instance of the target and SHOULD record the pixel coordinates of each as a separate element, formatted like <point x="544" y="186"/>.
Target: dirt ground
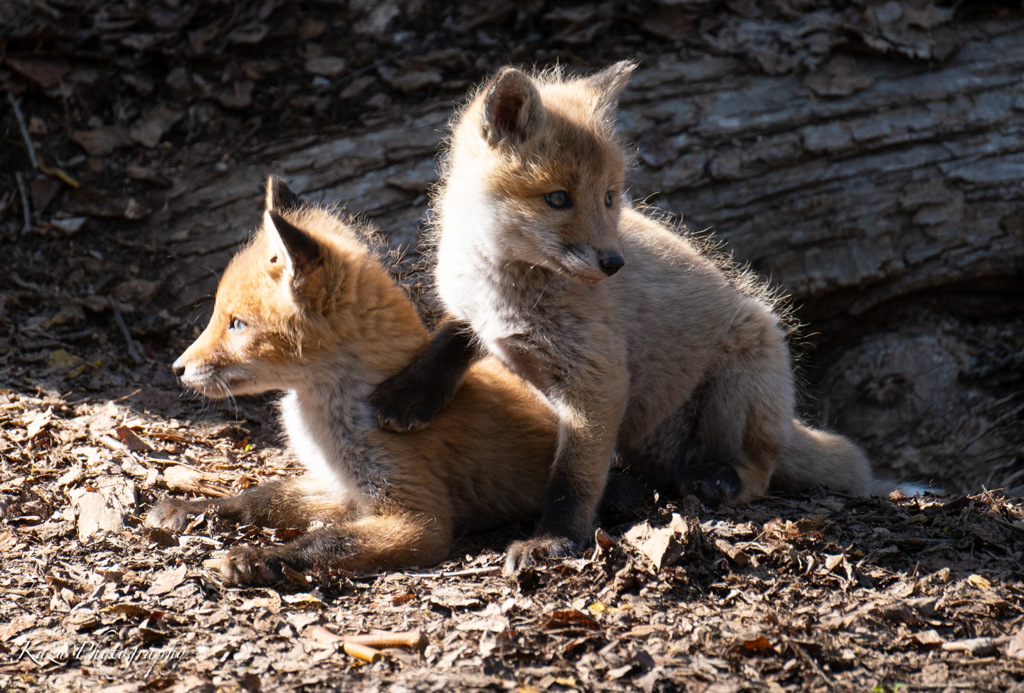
<point x="121" y="100"/>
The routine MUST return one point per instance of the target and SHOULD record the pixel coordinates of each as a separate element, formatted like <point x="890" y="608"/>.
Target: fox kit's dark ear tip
<point x="509" y="82"/>
<point x="615" y="77"/>
<point x="279" y="195"/>
<point x="302" y="249"/>
<point x="510" y="106"/>
<point x="507" y="72"/>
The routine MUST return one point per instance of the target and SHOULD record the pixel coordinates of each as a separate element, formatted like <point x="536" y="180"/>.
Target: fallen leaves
<point x="44" y="72"/>
<point x="568" y="621"/>
<point x="101" y="141"/>
<point x="102" y="505"/>
<point x="150" y="128"/>
<point x="167" y="580"/>
<point x="663" y="546"/>
<point x="326" y="66"/>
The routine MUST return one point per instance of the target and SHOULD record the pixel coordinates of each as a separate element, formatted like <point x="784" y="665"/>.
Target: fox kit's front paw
<point x="249" y="566"/>
<point x="172" y="514"/>
<point x="521" y="554"/>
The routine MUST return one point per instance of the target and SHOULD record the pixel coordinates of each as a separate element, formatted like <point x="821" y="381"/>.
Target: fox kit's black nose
<point x="178" y="370"/>
<point x="610" y="264"/>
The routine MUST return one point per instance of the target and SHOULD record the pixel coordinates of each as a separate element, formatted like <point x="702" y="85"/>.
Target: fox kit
<point x="640" y="342"/>
<point x="306" y="309"/>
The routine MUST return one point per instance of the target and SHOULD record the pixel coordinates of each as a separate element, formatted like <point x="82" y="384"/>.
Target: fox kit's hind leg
<point x="389" y="538"/>
<point x="377" y="542"/>
<point x="744" y="417"/>
<point x="280" y="504"/>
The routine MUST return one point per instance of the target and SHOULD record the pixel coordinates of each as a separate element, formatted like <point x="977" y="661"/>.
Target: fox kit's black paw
<point x="407" y="403"/>
<point x="410" y="400"/>
<point x="521" y="554"/>
<point x="249" y="566"/>
<point x="716" y="486"/>
<point x="173" y="514"/>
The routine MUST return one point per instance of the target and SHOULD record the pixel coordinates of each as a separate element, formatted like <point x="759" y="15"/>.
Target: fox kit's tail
<point x="816" y="458"/>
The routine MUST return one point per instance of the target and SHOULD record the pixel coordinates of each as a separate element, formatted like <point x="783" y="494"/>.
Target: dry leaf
<point x="236" y="96"/>
<point x="150" y="129"/>
<point x="979" y="647"/>
<point x="101" y="141"/>
<point x="326" y="66"/>
<point x="736" y="555"/>
<point x="167" y="580"/>
<point x="105" y="507"/>
<point x="188" y="480"/>
<point x="569" y="618"/>
<point x="46" y="73"/>
<point x="131" y="440"/>
<point x="978" y="581"/>
<point x="928" y="639"/>
<point x="756" y="646"/>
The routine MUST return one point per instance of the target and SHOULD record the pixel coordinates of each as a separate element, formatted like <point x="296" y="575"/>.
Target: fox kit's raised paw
<point x="522" y="554"/>
<point x="410" y="400"/>
<point x="406" y="402"/>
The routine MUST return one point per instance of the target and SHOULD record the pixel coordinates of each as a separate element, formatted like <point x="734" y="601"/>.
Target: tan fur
<point x="326" y="332"/>
<point x="675" y="362"/>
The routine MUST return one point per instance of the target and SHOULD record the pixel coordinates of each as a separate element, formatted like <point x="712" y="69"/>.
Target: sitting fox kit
<point x="305" y="308"/>
<point x="641" y="344"/>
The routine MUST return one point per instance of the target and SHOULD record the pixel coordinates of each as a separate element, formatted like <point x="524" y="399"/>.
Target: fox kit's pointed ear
<point x="279" y="195"/>
<point x="512" y="108"/>
<point x="295" y="249"/>
<point x="607" y="86"/>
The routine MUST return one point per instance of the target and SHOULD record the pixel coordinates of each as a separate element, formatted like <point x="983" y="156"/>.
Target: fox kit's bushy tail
<point x="814" y="458"/>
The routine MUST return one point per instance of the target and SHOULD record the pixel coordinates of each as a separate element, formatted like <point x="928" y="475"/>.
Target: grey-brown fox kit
<point x="306" y="309"/>
<point x="639" y="341"/>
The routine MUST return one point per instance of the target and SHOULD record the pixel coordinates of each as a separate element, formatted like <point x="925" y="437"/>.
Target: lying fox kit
<point x="304" y="308"/>
<point x="640" y="342"/>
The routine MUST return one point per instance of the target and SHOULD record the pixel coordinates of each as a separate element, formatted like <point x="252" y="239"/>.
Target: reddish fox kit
<point x="641" y="343"/>
<point x="305" y="308"/>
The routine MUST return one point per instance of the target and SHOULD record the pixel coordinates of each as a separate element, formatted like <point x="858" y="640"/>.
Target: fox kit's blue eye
<point x="609" y="198"/>
<point x="558" y="200"/>
<point x="237" y="325"/>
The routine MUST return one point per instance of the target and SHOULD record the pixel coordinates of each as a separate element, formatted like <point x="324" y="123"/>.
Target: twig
<point x="411" y="639"/>
<point x="124" y="330"/>
<point x="362" y="651"/>
<point x="457" y="573"/>
<point x="75" y="402"/>
<point x="27" y="226"/>
<point x="24" y="130"/>
<point x="995" y="424"/>
<point x="809" y="661"/>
